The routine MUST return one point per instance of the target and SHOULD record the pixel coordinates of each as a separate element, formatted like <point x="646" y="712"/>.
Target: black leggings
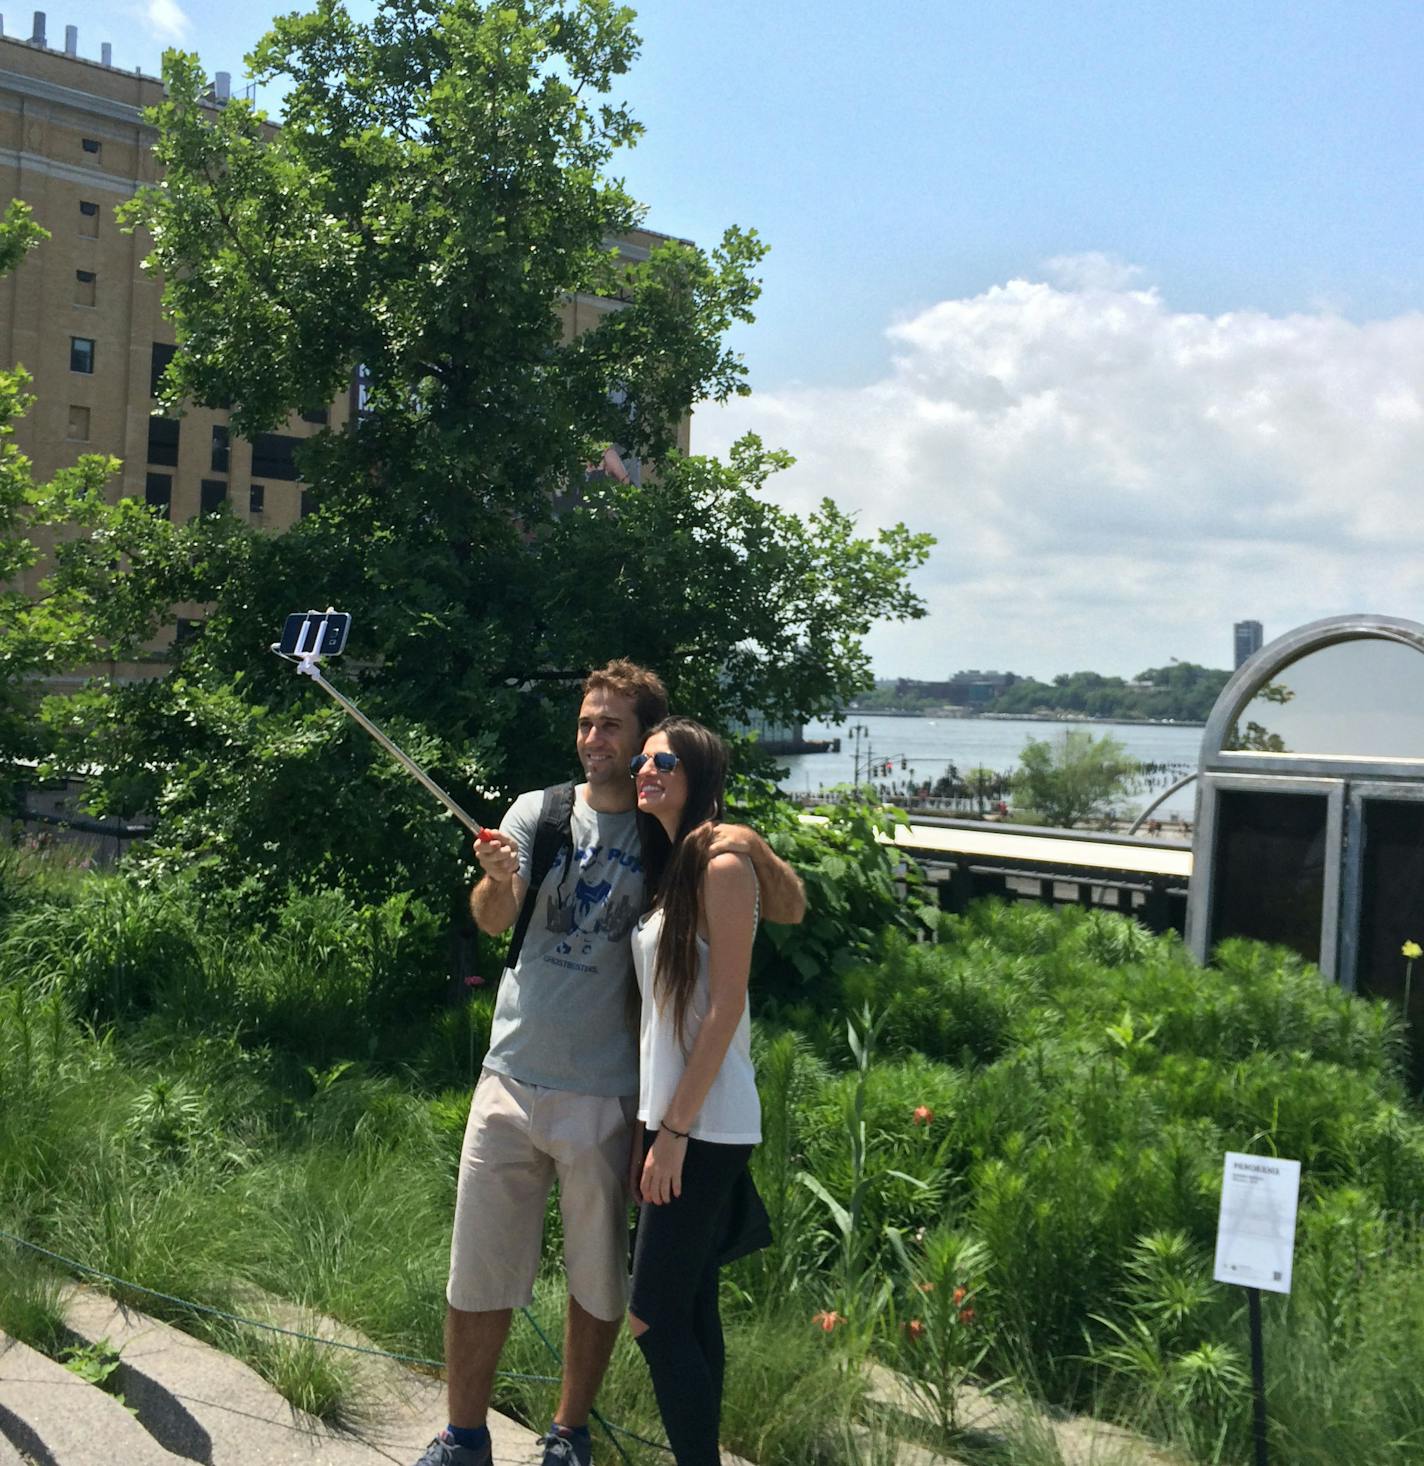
<point x="675" y="1293"/>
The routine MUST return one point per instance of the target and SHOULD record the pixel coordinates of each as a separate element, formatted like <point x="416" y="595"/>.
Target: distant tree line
<point x="1181" y="691"/>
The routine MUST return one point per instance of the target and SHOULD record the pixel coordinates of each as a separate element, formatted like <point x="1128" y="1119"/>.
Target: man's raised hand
<point x="497" y="854"/>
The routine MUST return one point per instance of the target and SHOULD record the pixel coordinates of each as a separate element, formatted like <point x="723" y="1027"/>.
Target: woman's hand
<point x="662" y="1170"/>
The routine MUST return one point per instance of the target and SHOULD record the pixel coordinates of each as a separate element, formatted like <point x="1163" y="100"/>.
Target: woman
<point x="697" y="1100"/>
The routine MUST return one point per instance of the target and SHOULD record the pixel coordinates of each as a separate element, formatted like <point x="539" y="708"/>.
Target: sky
<point x="1124" y="302"/>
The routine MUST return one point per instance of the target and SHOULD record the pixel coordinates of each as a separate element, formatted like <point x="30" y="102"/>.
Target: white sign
<point x="1255" y="1233"/>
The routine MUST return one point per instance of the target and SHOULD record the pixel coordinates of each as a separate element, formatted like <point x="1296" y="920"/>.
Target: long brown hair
<point x="672" y="869"/>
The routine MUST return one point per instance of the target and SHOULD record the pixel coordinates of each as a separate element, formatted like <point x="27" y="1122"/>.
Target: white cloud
<point x="1092" y="270"/>
<point x="165" y="20"/>
<point x="1114" y="482"/>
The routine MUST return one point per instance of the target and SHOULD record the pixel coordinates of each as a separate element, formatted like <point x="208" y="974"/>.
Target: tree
<point x="1072" y="776"/>
<point x="438" y="188"/>
<point x="74" y="612"/>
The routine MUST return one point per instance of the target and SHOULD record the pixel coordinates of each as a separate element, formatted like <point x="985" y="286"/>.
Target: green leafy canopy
<point x="437" y="195"/>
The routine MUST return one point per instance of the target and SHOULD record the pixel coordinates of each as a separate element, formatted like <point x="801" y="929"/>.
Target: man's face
<point x="608" y="736"/>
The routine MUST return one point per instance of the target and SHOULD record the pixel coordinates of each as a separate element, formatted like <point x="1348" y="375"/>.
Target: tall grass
<point x="1017" y="1179"/>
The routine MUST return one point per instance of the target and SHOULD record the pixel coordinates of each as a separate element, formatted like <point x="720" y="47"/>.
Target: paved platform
<point x="194" y="1403"/>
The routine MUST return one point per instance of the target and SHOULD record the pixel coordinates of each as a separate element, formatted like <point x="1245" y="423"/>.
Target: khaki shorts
<point x="518" y="1139"/>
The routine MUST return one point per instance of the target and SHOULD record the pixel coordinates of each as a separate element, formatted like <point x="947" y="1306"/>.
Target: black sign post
<point x="1258" y="1375"/>
<point x="1255" y="1249"/>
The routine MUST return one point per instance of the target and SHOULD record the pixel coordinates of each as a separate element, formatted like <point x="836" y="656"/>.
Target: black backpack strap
<point x="552" y="835"/>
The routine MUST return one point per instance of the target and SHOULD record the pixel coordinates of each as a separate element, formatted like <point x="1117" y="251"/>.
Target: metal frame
<point x="1202" y="900"/>
<point x="1261" y="668"/>
<point x="1334" y="776"/>
<point x="1352" y="900"/>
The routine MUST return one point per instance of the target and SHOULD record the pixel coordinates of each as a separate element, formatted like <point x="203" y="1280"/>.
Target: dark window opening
<point x="308" y="503"/>
<point x="163" y="441"/>
<point x="212" y="495"/>
<point x="158" y="493"/>
<point x="222" y="453"/>
<point x="273" y="456"/>
<point x="1392" y="869"/>
<point x="162" y="355"/>
<point x="186" y="631"/>
<point x="256" y="499"/>
<point x="1269" y="878"/>
<point x="92" y="145"/>
<point x="321" y="415"/>
<point x="88" y="219"/>
<point x="81" y="355"/>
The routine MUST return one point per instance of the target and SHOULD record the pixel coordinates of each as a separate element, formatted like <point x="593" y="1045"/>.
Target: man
<point x="560" y="1082"/>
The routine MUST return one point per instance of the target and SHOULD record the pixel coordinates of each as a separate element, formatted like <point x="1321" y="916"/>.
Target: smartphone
<point x="321" y="632"/>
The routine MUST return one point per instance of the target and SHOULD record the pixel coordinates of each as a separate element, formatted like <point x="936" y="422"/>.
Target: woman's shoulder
<point x="732" y="865"/>
<point x="731" y="872"/>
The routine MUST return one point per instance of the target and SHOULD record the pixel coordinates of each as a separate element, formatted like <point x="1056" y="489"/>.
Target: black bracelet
<point x="681" y="1134"/>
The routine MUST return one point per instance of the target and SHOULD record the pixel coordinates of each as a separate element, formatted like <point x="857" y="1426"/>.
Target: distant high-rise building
<point x="1247" y="638"/>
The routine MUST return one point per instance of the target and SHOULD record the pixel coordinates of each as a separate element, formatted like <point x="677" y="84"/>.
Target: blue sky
<point x="1122" y="300"/>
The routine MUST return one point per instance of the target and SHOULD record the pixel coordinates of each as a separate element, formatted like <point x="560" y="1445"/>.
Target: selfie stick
<point x="308" y="663"/>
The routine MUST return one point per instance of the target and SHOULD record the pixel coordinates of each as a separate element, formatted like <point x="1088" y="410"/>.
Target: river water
<point x="930" y="745"/>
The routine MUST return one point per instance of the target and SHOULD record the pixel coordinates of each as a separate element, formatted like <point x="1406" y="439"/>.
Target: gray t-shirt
<point x="561" y="1017"/>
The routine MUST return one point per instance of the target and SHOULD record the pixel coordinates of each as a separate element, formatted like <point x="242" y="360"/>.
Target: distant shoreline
<point x="962" y="715"/>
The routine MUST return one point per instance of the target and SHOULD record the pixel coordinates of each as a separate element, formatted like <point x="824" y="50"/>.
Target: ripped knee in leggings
<point x="636" y="1326"/>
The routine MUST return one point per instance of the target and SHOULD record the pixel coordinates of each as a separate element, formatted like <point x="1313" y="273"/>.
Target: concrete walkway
<point x="193" y="1403"/>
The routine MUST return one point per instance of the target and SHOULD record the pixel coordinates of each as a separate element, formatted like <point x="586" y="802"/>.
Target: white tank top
<point x="731" y="1113"/>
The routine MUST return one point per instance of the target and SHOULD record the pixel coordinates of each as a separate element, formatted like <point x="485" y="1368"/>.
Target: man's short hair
<point x="628" y="679"/>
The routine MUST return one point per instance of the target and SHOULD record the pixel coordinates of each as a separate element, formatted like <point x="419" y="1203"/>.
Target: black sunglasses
<point x="664" y="763"/>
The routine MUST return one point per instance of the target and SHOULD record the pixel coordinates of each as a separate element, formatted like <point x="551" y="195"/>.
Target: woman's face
<point x="661" y="793"/>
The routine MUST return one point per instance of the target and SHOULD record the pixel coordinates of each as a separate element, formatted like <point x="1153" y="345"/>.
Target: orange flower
<point x="928" y="1288"/>
<point x="923" y="1115"/>
<point x="827" y="1320"/>
<point x="915" y="1330"/>
<point x="958" y="1296"/>
<point x="966" y="1315"/>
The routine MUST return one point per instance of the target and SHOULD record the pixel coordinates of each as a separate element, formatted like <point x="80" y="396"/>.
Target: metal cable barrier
<point x="610" y="1430"/>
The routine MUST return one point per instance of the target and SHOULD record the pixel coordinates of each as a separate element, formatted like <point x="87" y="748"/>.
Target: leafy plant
<point x="1072" y="776"/>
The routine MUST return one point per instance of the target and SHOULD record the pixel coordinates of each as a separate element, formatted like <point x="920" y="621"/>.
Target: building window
<point x="84" y="287"/>
<point x="163" y="440"/>
<point x="273" y="456"/>
<point x="322" y="416"/>
<point x="256" y="499"/>
<point x="88" y="219"/>
<point x="81" y="355"/>
<point x="213" y="493"/>
<point x="158" y="494"/>
<point x="78" y="431"/>
<point x="93" y="146"/>
<point x="162" y="355"/>
<point x="222" y="451"/>
<point x="186" y="630"/>
<point x="308" y="503"/>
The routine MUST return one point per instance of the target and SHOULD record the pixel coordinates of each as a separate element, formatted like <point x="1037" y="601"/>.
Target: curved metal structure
<point x="1162" y="798"/>
<point x="1337" y="787"/>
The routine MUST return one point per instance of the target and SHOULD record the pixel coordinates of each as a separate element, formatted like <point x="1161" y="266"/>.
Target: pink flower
<point x="826" y="1321"/>
<point x="923" y="1115"/>
<point x="474" y="980"/>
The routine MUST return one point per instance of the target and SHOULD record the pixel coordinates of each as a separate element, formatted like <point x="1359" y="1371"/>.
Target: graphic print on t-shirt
<point x="585" y="916"/>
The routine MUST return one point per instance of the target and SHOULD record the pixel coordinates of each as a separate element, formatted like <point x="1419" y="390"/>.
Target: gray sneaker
<point x="442" y="1451"/>
<point x="563" y="1448"/>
